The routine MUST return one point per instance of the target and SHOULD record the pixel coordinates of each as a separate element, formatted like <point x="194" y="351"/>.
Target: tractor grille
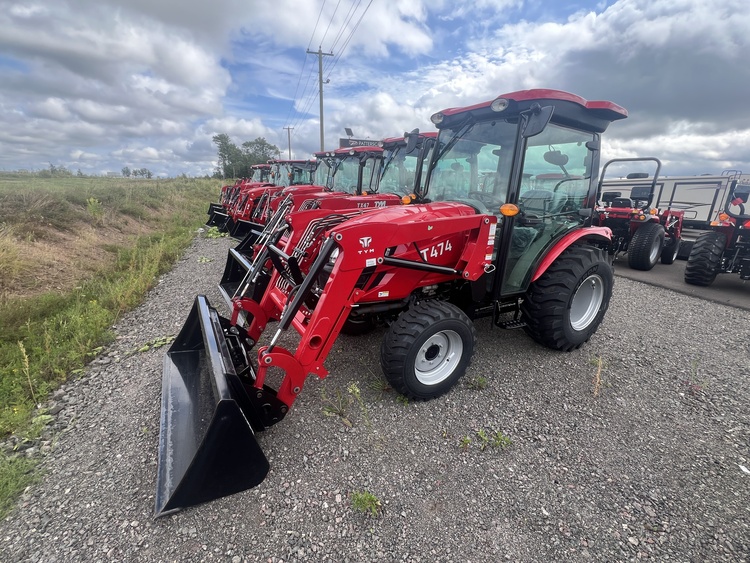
<point x="309" y="204"/>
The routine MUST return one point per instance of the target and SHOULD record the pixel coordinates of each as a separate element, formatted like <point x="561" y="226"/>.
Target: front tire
<point x="427" y="350"/>
<point x="566" y="305"/>
<point x="705" y="259"/>
<point x="645" y="246"/>
<point x="670" y="250"/>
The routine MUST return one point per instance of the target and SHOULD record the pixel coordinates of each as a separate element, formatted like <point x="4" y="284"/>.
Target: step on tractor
<point x="218" y="212"/>
<point x="249" y="264"/>
<point x="725" y="249"/>
<point x="477" y="240"/>
<point x="297" y="175"/>
<point x="643" y="231"/>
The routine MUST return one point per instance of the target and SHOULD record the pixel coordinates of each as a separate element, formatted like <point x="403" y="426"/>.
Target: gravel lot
<point x="655" y="465"/>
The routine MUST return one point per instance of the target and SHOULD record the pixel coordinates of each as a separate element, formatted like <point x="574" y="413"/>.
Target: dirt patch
<point x="61" y="260"/>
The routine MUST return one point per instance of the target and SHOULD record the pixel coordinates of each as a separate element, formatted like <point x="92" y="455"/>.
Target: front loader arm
<point x="362" y="255"/>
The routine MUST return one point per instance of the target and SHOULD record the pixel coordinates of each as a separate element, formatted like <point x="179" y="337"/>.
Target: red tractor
<point x="297" y="175"/>
<point x="392" y="169"/>
<point x="643" y="231"/>
<point x="725" y="249"/>
<point x="218" y="212"/>
<point x="476" y="241"/>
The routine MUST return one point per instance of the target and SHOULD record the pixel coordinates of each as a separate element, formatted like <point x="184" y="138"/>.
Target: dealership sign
<point x="344" y="143"/>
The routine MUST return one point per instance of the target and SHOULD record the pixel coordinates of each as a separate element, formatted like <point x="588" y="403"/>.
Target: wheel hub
<point x="438" y="357"/>
<point x="586" y="302"/>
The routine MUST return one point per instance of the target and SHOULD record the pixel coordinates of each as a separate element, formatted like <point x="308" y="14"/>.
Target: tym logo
<point x="365" y="242"/>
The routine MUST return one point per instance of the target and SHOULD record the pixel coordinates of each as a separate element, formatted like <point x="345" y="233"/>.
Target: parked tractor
<point x="725" y="249"/>
<point x="640" y="229"/>
<point x="392" y="170"/>
<point x="476" y="240"/>
<point x="218" y="212"/>
<point x="297" y="175"/>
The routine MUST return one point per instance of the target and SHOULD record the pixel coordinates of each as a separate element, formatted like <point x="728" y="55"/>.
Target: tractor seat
<point x="536" y="202"/>
<point x="622" y="202"/>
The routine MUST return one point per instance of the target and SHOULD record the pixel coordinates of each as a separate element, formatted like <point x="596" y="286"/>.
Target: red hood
<point x="404" y="214"/>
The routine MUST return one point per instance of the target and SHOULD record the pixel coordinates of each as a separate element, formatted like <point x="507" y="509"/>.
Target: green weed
<point x="336" y="406"/>
<point x="214" y="232"/>
<point x="366" y="502"/>
<point x="478" y="383"/>
<point x="16" y="473"/>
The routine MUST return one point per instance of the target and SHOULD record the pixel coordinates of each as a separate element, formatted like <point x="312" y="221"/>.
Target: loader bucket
<point x="207" y="446"/>
<point x="216" y="214"/>
<point x="241" y="228"/>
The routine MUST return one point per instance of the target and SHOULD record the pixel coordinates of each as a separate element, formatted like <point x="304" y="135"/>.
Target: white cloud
<point x="98" y="81"/>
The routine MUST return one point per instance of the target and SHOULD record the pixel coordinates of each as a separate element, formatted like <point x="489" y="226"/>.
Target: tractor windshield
<point x="260" y="174"/>
<point x="474" y="167"/>
<point x="323" y="172"/>
<point x="399" y="170"/>
<point x="294" y="173"/>
<point x="346" y="175"/>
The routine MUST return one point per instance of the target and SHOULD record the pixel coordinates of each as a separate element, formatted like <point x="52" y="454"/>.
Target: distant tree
<point x="258" y="151"/>
<point x="234" y="162"/>
<point x="146" y="173"/>
<point x="126" y="171"/>
<point x="227" y="153"/>
<point x="80" y="174"/>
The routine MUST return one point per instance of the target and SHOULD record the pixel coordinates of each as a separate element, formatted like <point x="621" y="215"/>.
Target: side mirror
<point x="538" y="119"/>
<point x="411" y="140"/>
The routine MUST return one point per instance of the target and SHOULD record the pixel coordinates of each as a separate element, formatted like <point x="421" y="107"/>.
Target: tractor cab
<point x="530" y="163"/>
<point x="404" y="160"/>
<point x="293" y="172"/>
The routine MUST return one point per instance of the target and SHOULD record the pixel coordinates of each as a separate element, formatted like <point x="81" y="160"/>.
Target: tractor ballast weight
<point x="480" y="239"/>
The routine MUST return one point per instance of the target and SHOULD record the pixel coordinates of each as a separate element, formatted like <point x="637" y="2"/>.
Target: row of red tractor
<point x="499" y="214"/>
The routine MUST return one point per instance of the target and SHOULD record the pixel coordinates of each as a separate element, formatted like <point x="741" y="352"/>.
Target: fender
<point x="600" y="233"/>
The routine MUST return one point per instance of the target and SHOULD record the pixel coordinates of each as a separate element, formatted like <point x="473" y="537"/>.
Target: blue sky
<point x="97" y="85"/>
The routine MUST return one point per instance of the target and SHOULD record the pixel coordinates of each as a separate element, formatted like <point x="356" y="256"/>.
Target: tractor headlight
<point x="499" y="104"/>
<point x="334" y="255"/>
<point x="437" y="118"/>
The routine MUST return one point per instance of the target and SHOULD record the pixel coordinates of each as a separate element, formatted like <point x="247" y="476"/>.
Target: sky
<point x="97" y="85"/>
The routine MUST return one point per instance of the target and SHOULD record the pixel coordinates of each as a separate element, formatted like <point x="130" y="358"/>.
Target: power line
<point x="304" y="62"/>
<point x="341" y="52"/>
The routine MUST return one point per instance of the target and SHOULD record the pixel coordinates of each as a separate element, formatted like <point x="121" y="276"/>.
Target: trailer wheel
<point x="565" y="306"/>
<point x="645" y="246"/>
<point x="670" y="250"/>
<point x="705" y="259"/>
<point x="427" y="350"/>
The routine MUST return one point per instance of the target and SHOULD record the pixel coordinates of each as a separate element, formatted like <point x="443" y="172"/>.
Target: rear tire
<point x="705" y="259"/>
<point x="566" y="305"/>
<point x="427" y="350"/>
<point x="670" y="250"/>
<point x="645" y="246"/>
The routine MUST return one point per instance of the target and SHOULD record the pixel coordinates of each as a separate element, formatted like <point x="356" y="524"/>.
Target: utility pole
<point x="289" y="137"/>
<point x="320" y="54"/>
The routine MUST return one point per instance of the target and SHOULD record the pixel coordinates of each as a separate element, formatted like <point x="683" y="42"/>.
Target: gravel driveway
<point x="650" y="462"/>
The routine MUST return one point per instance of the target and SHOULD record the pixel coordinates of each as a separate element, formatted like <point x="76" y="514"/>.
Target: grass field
<point x="75" y="253"/>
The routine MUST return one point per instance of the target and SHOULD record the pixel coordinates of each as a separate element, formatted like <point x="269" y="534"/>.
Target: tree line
<point x="235" y="162"/>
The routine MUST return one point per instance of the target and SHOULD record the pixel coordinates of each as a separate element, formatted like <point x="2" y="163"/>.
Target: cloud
<point x="99" y="82"/>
